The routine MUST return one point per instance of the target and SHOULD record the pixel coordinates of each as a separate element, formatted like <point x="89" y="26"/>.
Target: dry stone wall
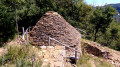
<point x="52" y="56"/>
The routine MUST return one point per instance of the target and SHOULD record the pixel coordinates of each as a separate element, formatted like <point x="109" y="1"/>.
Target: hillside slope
<point x="94" y="55"/>
<point x="96" y="49"/>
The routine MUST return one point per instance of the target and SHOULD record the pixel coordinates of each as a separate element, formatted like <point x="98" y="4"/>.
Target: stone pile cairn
<point x="55" y="26"/>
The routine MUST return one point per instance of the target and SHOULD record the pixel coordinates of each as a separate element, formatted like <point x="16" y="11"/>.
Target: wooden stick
<point x="23" y="33"/>
<point x="2" y="60"/>
<point x="49" y="41"/>
<point x="33" y="59"/>
<point x="27" y="37"/>
<point x="76" y="56"/>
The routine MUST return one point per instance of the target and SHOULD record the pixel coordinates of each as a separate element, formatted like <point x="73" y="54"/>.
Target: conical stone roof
<point x="51" y="24"/>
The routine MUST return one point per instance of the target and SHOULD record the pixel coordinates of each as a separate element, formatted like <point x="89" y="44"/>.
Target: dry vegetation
<point x="17" y="55"/>
<point x="97" y="50"/>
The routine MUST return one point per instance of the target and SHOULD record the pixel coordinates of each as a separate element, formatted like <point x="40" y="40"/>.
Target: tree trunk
<point x="95" y="38"/>
<point x="16" y="19"/>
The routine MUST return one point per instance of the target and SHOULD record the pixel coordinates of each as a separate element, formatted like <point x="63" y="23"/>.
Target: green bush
<point x="20" y="56"/>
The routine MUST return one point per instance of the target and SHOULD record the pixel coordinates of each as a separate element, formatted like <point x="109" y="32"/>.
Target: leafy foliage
<point x="30" y="11"/>
<point x="7" y="29"/>
<point x="112" y="36"/>
<point x="95" y="22"/>
<point x="116" y="6"/>
<point x="101" y="19"/>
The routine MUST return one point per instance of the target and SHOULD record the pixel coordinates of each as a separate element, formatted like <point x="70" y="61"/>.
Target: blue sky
<point x="101" y="2"/>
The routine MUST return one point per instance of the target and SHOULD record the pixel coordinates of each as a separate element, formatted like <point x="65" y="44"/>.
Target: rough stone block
<point x="50" y="47"/>
<point x="62" y="52"/>
<point x="40" y="53"/>
<point x="43" y="47"/>
<point x="59" y="47"/>
<point x="44" y="51"/>
<point x="46" y="56"/>
<point x="58" y="64"/>
<point x="46" y="60"/>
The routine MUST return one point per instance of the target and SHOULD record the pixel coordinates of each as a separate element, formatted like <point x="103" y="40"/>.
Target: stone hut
<point x="53" y="25"/>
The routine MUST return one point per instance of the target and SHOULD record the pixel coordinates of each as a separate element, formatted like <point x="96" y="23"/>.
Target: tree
<point x="112" y="38"/>
<point x="7" y="29"/>
<point x="14" y="4"/>
<point x="27" y="13"/>
<point x="101" y="19"/>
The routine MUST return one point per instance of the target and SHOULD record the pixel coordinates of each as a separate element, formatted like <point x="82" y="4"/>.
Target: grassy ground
<point x="88" y="60"/>
<point x="92" y="61"/>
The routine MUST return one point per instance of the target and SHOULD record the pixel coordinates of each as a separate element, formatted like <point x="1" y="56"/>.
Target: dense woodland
<point x="97" y="23"/>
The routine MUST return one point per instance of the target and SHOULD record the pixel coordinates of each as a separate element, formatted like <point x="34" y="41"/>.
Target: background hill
<point x="116" y="6"/>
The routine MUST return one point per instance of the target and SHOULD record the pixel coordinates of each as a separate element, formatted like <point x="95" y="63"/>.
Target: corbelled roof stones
<point x="53" y="25"/>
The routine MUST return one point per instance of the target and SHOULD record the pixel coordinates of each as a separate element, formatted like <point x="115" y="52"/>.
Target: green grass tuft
<point x="84" y="61"/>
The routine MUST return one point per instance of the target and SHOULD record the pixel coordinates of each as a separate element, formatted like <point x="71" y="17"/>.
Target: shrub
<point x="20" y="56"/>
